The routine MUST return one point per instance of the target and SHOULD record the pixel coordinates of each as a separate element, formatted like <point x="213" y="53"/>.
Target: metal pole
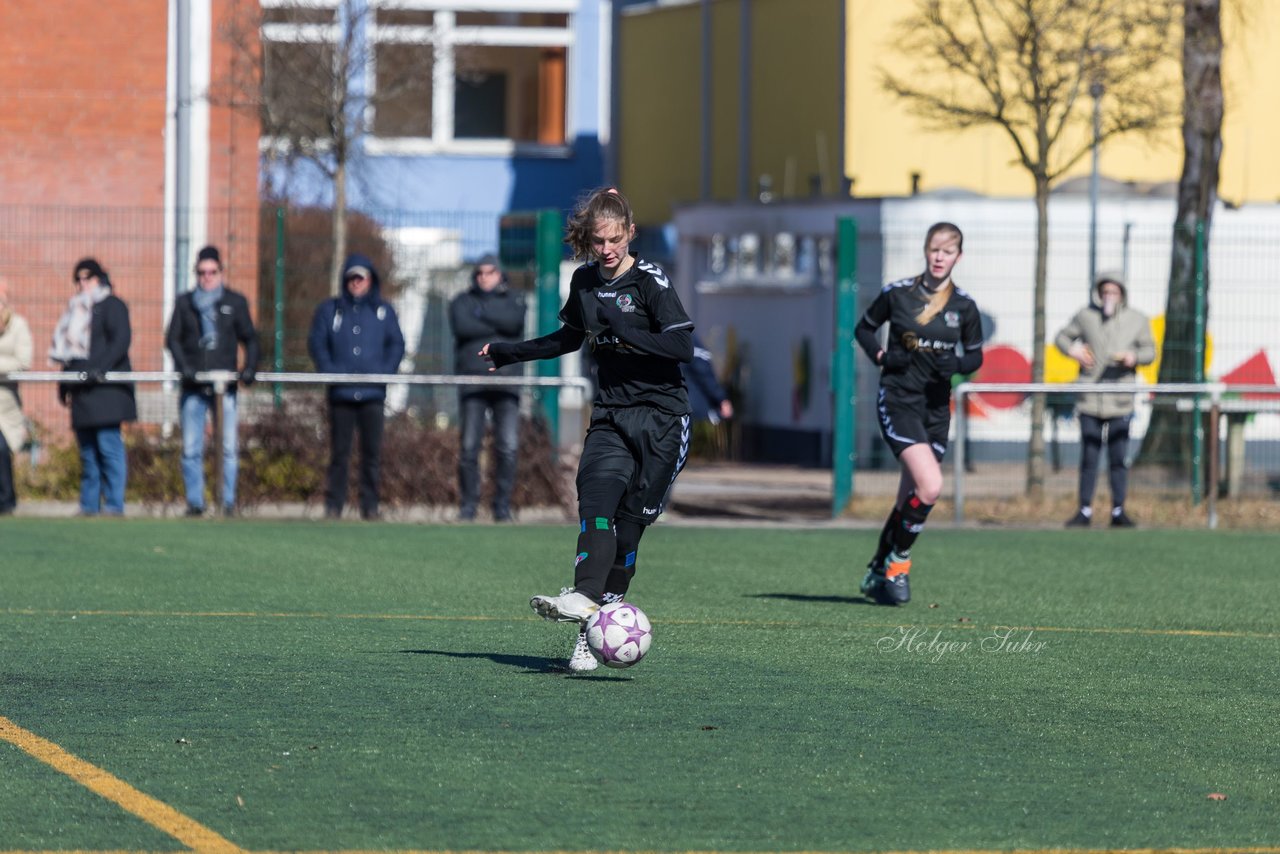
<point x="1197" y="428"/>
<point x="1096" y="90"/>
<point x="547" y="254"/>
<point x="962" y="436"/>
<point x="844" y="366"/>
<point x="182" y="148"/>
<point x="705" y="185"/>
<point x="744" y="99"/>
<point x="277" y="361"/>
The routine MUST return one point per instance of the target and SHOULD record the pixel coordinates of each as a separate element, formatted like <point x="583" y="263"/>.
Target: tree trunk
<point x="339" y="226"/>
<point x="1035" y="444"/>
<point x="1169" y="439"/>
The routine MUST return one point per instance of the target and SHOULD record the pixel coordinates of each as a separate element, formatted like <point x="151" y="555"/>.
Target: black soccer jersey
<point x="958" y="328"/>
<point x="627" y="376"/>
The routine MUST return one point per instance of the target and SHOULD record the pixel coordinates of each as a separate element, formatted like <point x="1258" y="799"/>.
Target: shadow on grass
<point x="802" y="597"/>
<point x="529" y="663"/>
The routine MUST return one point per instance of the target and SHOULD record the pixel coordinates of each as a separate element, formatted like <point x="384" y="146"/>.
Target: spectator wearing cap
<point x="15" y="355"/>
<point x="487" y="311"/>
<point x="1109" y="340"/>
<point x="209" y="326"/>
<point x="92" y="337"/>
<point x="356" y="332"/>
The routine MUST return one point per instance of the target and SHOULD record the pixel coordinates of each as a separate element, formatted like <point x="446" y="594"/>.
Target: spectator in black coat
<point x="208" y="327"/>
<point x="487" y="311"/>
<point x="356" y="333"/>
<point x="707" y="399"/>
<point x="92" y="337"/>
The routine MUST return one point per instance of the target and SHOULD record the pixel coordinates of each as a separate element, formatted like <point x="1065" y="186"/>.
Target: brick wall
<point x="82" y="171"/>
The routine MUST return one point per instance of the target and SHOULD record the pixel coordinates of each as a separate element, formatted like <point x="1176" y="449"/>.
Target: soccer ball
<point x="619" y="634"/>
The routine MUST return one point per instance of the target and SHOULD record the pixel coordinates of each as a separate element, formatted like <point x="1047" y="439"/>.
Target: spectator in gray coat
<point x="1109" y="340"/>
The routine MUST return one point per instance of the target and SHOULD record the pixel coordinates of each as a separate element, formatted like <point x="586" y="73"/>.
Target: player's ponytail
<point x="605" y="203"/>
<point x="939" y="299"/>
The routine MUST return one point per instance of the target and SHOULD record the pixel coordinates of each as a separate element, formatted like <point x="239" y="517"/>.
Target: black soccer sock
<point x="886" y="537"/>
<point x="597" y="546"/>
<point x="914" y="514"/>
<point x="624" y="561"/>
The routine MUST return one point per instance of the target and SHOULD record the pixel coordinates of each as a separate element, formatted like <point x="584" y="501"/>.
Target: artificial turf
<point x="348" y="686"/>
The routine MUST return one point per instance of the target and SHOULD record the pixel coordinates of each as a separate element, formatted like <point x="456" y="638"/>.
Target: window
<point x="298" y="38"/>
<point x="492" y="76"/>
<point x="432" y="74"/>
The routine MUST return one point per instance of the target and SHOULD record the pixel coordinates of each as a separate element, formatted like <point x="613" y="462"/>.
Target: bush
<point x="284" y="454"/>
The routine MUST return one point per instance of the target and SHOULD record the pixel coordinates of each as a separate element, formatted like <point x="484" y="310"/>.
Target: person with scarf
<point x="92" y="338"/>
<point x="356" y="332"/>
<point x="15" y="355"/>
<point x="209" y="325"/>
<point x="1110" y="340"/>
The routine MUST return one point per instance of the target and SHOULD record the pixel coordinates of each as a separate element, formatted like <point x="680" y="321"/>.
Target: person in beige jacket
<point x="15" y="355"/>
<point x="1109" y="340"/>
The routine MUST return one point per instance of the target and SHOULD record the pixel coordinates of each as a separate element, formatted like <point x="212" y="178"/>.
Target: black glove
<point x="894" y="361"/>
<point x="500" y="354"/>
<point x="188" y="375"/>
<point x="92" y="377"/>
<point x="947" y="363"/>
<point x="248" y="376"/>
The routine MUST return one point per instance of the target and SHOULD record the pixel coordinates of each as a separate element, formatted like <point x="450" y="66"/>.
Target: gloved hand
<point x="248" y="376"/>
<point x="500" y="354"/>
<point x="94" y="376"/>
<point x="188" y="375"/>
<point x="894" y="361"/>
<point x="947" y="363"/>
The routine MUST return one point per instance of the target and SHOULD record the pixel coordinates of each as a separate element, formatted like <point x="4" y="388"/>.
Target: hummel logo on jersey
<point x="655" y="271"/>
<point x="606" y="294"/>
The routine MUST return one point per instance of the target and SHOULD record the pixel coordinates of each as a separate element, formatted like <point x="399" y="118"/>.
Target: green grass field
<point x="273" y="686"/>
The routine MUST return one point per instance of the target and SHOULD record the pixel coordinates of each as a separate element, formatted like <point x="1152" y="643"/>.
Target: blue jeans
<point x="195" y="410"/>
<point x="506" y="436"/>
<point x="103" y="470"/>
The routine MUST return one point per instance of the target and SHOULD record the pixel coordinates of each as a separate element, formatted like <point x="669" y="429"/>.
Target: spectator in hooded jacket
<point x="92" y="337"/>
<point x="209" y="325"/>
<point x="1109" y="339"/>
<point x="487" y="311"/>
<point x="355" y="333"/>
<point x="15" y="355"/>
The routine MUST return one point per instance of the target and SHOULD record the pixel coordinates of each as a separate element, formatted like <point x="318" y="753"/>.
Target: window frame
<point x="445" y="36"/>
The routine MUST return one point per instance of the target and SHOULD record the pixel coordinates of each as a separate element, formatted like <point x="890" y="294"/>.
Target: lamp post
<point x="1095" y="91"/>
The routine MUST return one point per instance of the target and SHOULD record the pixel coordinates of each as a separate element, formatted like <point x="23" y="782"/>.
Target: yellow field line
<point x="476" y="618"/>
<point x="159" y="815"/>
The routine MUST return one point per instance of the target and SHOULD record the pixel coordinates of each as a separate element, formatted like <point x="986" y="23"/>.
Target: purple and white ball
<point x="619" y="634"/>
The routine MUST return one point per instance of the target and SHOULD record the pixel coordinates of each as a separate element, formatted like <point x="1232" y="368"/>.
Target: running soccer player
<point x="934" y="331"/>
<point x="639" y="432"/>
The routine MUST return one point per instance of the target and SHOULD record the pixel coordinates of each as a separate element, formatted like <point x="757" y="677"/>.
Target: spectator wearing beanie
<point x="487" y="311"/>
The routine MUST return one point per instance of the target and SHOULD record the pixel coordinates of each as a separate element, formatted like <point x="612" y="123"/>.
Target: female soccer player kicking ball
<point x="935" y="331"/>
<point x="639" y="432"/>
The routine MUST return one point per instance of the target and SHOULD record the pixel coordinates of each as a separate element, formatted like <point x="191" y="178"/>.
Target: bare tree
<point x="320" y="83"/>
<point x="1026" y="67"/>
<point x="1169" y="434"/>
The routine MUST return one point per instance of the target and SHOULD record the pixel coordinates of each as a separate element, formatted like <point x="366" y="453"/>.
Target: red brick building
<point x="88" y="112"/>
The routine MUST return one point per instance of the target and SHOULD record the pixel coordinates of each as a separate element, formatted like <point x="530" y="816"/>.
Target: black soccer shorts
<point x="641" y="446"/>
<point x="907" y="423"/>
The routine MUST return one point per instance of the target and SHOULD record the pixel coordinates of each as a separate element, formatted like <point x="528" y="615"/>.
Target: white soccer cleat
<point x="582" y="661"/>
<point x="569" y="607"/>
